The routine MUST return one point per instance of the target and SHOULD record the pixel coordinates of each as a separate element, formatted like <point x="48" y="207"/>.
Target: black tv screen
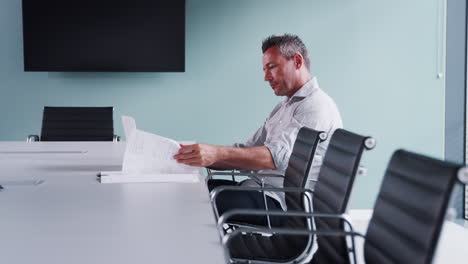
<point x="104" y="35"/>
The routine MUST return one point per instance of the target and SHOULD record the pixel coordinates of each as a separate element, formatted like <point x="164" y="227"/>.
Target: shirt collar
<point x="307" y="89"/>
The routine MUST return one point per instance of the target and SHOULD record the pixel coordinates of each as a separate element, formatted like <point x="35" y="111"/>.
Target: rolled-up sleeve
<point x="281" y="144"/>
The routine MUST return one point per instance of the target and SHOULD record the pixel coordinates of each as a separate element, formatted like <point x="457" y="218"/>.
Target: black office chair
<point x="407" y="218"/>
<point x="331" y="195"/>
<point x="77" y="124"/>
<point x="334" y="186"/>
<point x="410" y="209"/>
<point x="295" y="175"/>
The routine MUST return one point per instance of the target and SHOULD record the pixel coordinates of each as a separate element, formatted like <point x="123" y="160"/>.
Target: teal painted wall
<point x="377" y="59"/>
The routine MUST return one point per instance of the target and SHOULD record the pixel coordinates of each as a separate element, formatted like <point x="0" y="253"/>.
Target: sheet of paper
<point x="150" y="153"/>
<point x="129" y="126"/>
<point x="139" y="178"/>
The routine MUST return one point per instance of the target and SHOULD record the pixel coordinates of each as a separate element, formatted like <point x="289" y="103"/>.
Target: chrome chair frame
<point x="214" y="194"/>
<point x="286" y="231"/>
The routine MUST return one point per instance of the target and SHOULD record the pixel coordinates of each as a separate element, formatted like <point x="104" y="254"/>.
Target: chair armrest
<point x="288" y="231"/>
<point x="32" y="138"/>
<point x="225" y="239"/>
<point x="239" y="173"/>
<point x="225" y="217"/>
<point x="216" y="191"/>
<point x="210" y="173"/>
<point x="234" y="173"/>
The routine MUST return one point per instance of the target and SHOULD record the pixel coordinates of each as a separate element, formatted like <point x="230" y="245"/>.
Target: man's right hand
<point x="200" y="155"/>
<point x="222" y="157"/>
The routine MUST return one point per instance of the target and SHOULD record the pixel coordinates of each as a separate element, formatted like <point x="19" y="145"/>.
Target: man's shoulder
<point x="319" y="99"/>
<point x="317" y="107"/>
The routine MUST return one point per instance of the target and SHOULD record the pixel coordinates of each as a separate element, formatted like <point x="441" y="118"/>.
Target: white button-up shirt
<point x="310" y="107"/>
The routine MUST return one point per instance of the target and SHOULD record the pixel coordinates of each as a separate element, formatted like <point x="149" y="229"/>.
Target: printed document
<point x="147" y="153"/>
<point x="149" y="157"/>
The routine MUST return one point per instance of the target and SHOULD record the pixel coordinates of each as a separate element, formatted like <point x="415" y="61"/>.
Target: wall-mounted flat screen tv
<point x="104" y="35"/>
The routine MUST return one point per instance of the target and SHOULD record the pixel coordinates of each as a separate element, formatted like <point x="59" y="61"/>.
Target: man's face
<point x="279" y="72"/>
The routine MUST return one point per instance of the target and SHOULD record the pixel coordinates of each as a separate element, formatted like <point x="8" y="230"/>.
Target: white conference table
<point x="72" y="218"/>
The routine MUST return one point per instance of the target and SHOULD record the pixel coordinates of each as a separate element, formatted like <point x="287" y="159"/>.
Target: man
<point x="286" y="66"/>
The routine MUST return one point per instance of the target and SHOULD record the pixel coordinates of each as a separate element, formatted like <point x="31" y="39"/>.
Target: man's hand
<point x="222" y="157"/>
<point x="201" y="155"/>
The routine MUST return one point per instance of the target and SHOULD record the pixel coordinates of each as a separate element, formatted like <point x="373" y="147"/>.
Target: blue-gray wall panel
<point x="377" y="59"/>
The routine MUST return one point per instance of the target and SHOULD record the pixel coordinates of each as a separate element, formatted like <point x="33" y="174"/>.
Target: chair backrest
<point x="296" y="176"/>
<point x="299" y="164"/>
<point x="77" y="124"/>
<point x="286" y="247"/>
<point x="333" y="189"/>
<point x="410" y="209"/>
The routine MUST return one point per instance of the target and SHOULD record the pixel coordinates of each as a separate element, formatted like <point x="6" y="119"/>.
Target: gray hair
<point x="288" y="45"/>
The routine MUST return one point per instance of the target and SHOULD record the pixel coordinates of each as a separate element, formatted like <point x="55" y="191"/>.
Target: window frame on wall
<point x="464" y="188"/>
<point x="466" y="202"/>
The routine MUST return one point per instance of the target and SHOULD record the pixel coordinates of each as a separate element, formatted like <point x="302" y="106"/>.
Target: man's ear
<point x="298" y="60"/>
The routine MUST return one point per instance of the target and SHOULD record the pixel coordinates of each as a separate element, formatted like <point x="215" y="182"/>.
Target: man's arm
<point x="222" y="157"/>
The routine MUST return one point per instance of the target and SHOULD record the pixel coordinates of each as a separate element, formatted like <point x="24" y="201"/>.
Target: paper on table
<point x="149" y="158"/>
<point x="129" y="126"/>
<point x="150" y="153"/>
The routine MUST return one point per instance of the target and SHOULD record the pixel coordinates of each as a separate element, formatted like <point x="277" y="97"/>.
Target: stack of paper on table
<point x="149" y="158"/>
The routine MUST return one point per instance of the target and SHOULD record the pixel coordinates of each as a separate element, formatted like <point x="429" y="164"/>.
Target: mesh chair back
<point x="332" y="192"/>
<point x="410" y="209"/>
<point x="77" y="124"/>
